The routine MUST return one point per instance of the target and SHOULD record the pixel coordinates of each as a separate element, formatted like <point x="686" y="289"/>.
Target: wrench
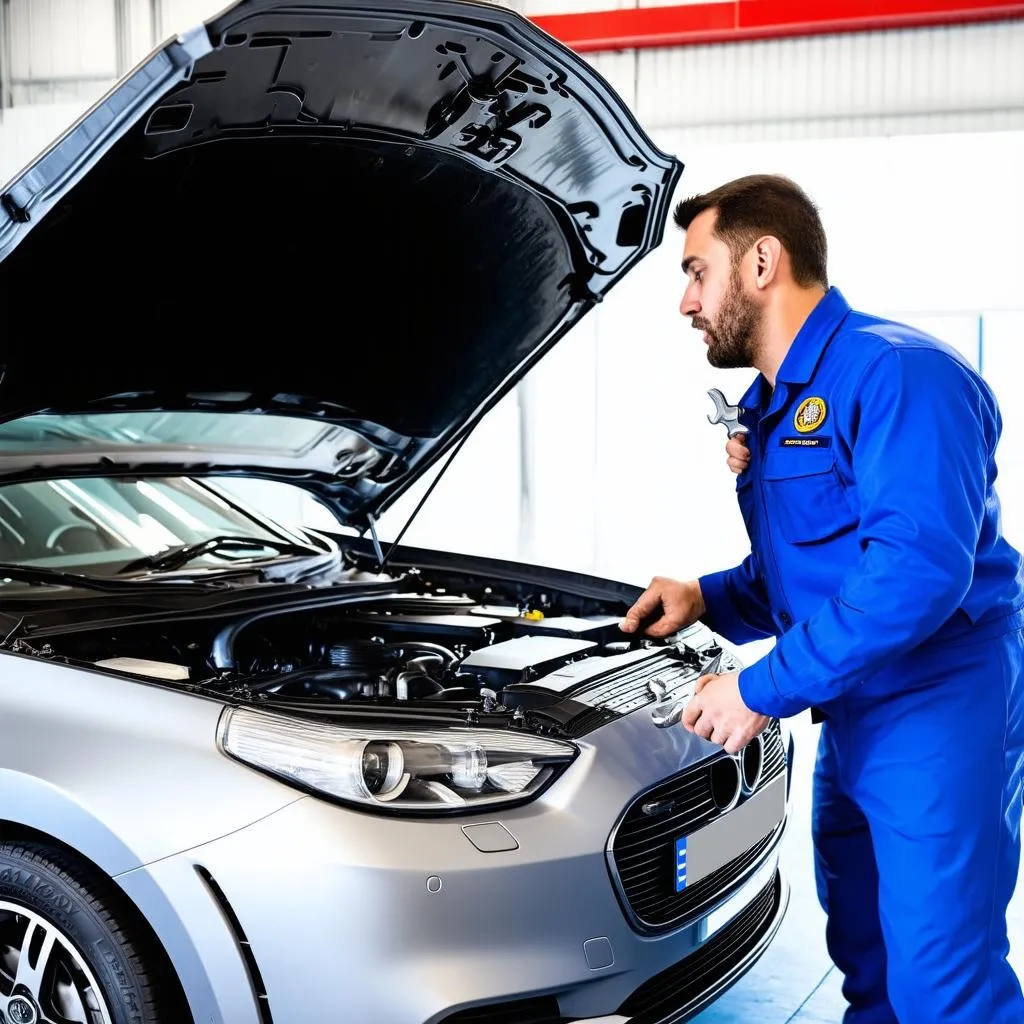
<point x="667" y="713"/>
<point x="726" y="413"/>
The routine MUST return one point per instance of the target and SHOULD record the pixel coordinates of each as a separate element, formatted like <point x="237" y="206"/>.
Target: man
<point x="877" y="561"/>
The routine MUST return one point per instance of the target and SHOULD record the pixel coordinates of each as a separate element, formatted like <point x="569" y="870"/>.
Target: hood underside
<point x="372" y="218"/>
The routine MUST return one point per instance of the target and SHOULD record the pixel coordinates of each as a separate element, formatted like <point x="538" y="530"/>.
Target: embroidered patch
<point x="810" y="415"/>
<point x="806" y="442"/>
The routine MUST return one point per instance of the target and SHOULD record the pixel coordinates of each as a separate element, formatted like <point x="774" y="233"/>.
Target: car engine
<point x="546" y="661"/>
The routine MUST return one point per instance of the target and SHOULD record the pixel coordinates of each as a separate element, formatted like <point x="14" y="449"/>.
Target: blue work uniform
<point x="878" y="562"/>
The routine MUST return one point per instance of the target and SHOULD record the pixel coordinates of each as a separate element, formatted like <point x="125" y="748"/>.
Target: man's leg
<point x="847" y="880"/>
<point x="937" y="772"/>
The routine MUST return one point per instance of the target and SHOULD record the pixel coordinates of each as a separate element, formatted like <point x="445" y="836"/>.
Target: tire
<point x="99" y="967"/>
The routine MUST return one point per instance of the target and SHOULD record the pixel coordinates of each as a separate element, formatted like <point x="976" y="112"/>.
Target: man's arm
<point x="921" y="448"/>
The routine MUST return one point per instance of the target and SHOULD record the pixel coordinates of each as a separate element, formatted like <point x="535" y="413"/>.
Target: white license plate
<point x="713" y="846"/>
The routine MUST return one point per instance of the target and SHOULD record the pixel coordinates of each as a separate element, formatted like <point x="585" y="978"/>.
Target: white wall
<point x="27" y="130"/>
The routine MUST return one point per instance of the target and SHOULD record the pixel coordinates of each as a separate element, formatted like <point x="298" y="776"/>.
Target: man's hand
<point x="738" y="454"/>
<point x="717" y="713"/>
<point x="680" y="605"/>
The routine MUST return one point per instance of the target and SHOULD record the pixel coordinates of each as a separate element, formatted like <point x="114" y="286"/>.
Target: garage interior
<point x="906" y="128"/>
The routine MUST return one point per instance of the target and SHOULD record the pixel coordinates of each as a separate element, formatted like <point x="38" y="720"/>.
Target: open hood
<point x="313" y="242"/>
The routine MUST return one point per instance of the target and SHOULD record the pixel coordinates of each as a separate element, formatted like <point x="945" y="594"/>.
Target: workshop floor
<point x="795" y="982"/>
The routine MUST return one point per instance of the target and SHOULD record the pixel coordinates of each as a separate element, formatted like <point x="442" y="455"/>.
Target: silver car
<point x="255" y="773"/>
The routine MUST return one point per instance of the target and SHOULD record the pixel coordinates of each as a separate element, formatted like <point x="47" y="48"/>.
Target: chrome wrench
<point x="667" y="713"/>
<point x="727" y="414"/>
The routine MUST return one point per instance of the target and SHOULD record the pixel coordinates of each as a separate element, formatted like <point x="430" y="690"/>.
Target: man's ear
<point x="767" y="252"/>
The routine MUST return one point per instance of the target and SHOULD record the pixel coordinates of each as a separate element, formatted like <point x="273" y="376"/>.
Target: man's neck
<point x="780" y="325"/>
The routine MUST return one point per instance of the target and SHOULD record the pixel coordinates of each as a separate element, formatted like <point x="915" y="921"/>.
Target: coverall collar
<point x="805" y="352"/>
<point x="802" y="358"/>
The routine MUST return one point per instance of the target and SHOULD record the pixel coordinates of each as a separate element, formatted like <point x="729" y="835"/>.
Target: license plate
<point x="712" y="847"/>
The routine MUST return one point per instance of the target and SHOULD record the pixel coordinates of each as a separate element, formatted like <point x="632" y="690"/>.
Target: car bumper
<point x="318" y="910"/>
<point x="744" y="927"/>
<point x="290" y="953"/>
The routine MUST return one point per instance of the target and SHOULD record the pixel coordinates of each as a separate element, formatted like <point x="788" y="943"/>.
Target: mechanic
<point x="878" y="563"/>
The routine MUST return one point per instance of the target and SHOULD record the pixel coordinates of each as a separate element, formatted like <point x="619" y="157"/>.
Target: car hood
<point x="313" y="242"/>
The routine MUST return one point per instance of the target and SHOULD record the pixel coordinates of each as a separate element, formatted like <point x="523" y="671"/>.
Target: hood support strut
<point x="381" y="559"/>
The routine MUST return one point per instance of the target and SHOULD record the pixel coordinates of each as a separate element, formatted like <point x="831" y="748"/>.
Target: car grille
<point x="643" y="850"/>
<point x="711" y="969"/>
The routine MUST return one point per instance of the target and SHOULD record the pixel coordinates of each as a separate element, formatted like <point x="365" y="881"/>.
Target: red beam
<point x="742" y="20"/>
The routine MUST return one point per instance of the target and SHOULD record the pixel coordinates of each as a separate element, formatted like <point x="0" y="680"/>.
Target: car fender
<point x="121" y="770"/>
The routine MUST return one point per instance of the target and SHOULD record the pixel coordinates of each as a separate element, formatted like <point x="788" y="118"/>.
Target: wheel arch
<point x="18" y="832"/>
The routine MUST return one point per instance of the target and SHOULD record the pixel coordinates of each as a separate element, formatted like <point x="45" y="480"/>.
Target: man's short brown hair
<point x="765" y="204"/>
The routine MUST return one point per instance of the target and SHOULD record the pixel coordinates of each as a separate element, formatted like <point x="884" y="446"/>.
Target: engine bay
<point x="545" y="660"/>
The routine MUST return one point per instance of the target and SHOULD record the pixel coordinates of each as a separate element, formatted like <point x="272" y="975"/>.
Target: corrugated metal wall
<point x="963" y="78"/>
<point x="57" y="50"/>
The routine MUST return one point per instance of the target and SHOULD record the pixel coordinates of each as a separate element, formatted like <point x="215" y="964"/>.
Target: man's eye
<point x="698" y="276"/>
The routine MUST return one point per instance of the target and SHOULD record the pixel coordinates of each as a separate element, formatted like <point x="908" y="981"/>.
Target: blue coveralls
<point x="877" y="560"/>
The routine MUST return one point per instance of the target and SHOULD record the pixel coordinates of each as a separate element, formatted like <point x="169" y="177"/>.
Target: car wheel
<point x="69" y="953"/>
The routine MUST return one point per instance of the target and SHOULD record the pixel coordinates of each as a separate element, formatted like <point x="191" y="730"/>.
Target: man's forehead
<point x="703" y="224"/>
<point x="701" y="241"/>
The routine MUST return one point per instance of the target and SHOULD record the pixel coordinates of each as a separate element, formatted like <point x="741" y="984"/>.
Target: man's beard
<point x="733" y="339"/>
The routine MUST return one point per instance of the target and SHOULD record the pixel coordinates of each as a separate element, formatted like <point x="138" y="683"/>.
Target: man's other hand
<point x="675" y="603"/>
<point x="738" y="454"/>
<point x="717" y="712"/>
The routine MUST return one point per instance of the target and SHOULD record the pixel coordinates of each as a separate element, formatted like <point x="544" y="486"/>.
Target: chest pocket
<point x="805" y="496"/>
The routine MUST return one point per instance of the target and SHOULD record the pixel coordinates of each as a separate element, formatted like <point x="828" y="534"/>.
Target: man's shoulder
<point x="864" y="339"/>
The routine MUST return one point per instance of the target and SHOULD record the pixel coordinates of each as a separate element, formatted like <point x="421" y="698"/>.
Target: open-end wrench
<point x="727" y="414"/>
<point x="667" y="713"/>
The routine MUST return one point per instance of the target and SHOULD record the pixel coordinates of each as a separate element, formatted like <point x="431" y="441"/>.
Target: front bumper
<point x="333" y="911"/>
<point x="745" y="926"/>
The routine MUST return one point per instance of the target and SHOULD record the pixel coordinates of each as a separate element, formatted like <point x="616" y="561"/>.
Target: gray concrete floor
<point x="795" y="981"/>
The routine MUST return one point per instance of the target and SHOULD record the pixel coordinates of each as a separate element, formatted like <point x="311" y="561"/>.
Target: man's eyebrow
<point x="689" y="262"/>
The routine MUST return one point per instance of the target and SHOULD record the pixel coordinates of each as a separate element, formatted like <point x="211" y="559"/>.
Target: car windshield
<point x="189" y="430"/>
<point x="96" y="526"/>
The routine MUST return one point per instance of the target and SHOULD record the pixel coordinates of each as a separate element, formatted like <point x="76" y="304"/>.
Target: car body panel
<point x="128" y="773"/>
<point x="192" y="929"/>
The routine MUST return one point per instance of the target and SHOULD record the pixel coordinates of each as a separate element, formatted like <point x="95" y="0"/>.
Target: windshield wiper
<point x="54" y="577"/>
<point x="176" y="557"/>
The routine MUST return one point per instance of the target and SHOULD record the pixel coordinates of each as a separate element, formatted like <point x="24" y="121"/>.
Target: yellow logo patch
<point x="810" y="415"/>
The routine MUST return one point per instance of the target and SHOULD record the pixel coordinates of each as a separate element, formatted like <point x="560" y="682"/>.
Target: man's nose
<point x="689" y="306"/>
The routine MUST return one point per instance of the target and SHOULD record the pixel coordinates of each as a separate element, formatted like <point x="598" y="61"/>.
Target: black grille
<point x="707" y="971"/>
<point x="520" y="1011"/>
<point x="644" y="846"/>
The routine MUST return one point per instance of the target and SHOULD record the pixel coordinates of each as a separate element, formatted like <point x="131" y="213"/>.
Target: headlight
<point x="410" y="769"/>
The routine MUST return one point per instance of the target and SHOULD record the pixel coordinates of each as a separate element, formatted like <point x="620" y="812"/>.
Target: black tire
<point x="89" y="918"/>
